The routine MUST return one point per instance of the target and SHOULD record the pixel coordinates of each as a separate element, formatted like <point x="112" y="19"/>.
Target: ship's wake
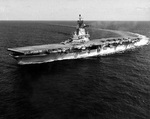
<point x="122" y="48"/>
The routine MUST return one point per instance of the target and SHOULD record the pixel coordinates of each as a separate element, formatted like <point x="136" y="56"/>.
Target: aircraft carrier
<point x="78" y="46"/>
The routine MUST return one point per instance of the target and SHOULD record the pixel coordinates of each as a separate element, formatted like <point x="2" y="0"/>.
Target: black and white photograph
<point x="74" y="59"/>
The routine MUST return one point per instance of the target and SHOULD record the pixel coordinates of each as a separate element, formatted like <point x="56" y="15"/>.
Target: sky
<point x="126" y="10"/>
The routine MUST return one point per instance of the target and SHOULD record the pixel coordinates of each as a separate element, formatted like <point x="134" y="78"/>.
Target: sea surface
<point x="109" y="87"/>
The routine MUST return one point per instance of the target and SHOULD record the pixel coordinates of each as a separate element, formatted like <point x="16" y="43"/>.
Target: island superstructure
<point x="78" y="46"/>
<point x="80" y="35"/>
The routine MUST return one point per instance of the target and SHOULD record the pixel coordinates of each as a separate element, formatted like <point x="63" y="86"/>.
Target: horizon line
<point x="73" y="20"/>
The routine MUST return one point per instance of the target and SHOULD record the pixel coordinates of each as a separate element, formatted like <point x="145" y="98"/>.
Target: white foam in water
<point x="107" y="51"/>
<point x="121" y="48"/>
<point x="144" y="41"/>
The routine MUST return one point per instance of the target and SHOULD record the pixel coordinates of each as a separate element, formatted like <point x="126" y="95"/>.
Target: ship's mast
<point x="80" y="21"/>
<point x="80" y="24"/>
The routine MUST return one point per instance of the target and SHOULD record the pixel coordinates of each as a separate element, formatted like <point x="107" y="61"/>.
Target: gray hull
<point x="53" y="57"/>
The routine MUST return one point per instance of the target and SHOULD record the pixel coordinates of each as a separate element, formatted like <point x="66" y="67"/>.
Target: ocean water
<point x="110" y="87"/>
